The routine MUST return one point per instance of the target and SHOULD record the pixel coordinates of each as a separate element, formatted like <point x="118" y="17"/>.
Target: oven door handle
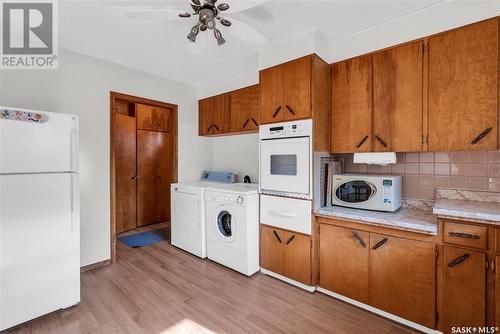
<point x="283" y="213"/>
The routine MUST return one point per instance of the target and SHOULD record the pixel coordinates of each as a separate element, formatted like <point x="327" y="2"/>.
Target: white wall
<point x="239" y="153"/>
<point x="81" y="86"/>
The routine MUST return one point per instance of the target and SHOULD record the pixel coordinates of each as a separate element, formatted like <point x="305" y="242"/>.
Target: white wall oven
<point x="286" y="159"/>
<point x="369" y="192"/>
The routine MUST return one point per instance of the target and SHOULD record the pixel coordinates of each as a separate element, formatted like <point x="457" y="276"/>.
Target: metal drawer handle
<point x="458" y="260"/>
<point x="481" y="136"/>
<point x="290" y="239"/>
<point x="358" y="239"/>
<point x="246" y="122"/>
<point x="276" y="112"/>
<point x="290" y="109"/>
<point x="380" y="243"/>
<point x="381" y="141"/>
<point x="463" y="235"/>
<point x="362" y="141"/>
<point x="277" y="236"/>
<point x="283" y="213"/>
<point x="255" y="122"/>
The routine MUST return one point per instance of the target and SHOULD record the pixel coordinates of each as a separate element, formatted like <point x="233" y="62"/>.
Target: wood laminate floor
<point x="160" y="289"/>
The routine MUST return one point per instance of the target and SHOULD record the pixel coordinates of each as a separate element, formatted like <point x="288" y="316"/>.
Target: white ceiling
<point x="100" y="29"/>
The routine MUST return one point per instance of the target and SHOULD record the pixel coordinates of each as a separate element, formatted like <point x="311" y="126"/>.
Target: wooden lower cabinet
<point x="344" y="251"/>
<point x="464" y="288"/>
<point x="286" y="253"/>
<point x="403" y="278"/>
<point x="497" y="292"/>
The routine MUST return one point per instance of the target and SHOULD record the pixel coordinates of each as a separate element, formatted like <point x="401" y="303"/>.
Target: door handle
<point x="481" y="136"/>
<point x="290" y="239"/>
<point x="276" y="236"/>
<point x="381" y="141"/>
<point x="290" y="110"/>
<point x="362" y="141"/>
<point x="380" y="243"/>
<point x="246" y="122"/>
<point x="358" y="239"/>
<point x="134" y="177"/>
<point x="276" y="112"/>
<point x="458" y="260"/>
<point x="283" y="213"/>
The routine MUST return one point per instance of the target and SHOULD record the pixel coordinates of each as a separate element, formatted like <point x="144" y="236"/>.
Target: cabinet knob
<point x="380" y="243"/>
<point x="245" y="124"/>
<point x="290" y="110"/>
<point x="277" y="236"/>
<point x="463" y="235"/>
<point x="290" y="239"/>
<point x="255" y="122"/>
<point x="381" y="141"/>
<point x="276" y="112"/>
<point x="458" y="260"/>
<point x="358" y="239"/>
<point x="481" y="136"/>
<point x="362" y="141"/>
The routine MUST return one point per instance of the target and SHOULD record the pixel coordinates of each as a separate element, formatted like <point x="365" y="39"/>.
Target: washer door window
<point x="225" y="225"/>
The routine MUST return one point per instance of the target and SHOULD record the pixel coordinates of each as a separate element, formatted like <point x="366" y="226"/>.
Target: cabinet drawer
<point x="286" y="213"/>
<point x="465" y="235"/>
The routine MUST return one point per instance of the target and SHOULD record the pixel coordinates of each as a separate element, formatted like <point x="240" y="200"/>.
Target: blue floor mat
<point x="145" y="238"/>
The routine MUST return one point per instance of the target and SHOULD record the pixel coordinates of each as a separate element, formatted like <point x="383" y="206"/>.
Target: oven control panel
<point x="300" y="128"/>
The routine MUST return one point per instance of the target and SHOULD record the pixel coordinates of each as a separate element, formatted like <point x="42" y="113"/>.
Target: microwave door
<point x="285" y="165"/>
<point x="355" y="192"/>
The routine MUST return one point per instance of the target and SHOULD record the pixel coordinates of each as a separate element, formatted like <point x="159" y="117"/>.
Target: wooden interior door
<point x="344" y="262"/>
<point x="403" y="278"/>
<point x="297" y="88"/>
<point x="271" y="248"/>
<point x="351" y="113"/>
<point x="163" y="170"/>
<point x="205" y="116"/>
<point x="463" y="88"/>
<point x="254" y="108"/>
<point x="397" y="99"/>
<point x="126" y="173"/>
<point x="464" y="288"/>
<point x="152" y="117"/>
<point x="297" y="257"/>
<point x="271" y="95"/>
<point x="146" y="177"/>
<point x="239" y="106"/>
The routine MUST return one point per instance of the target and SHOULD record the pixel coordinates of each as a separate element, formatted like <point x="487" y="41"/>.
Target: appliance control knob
<point x="239" y="200"/>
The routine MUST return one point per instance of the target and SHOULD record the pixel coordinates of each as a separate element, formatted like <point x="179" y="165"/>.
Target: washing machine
<point x="232" y="219"/>
<point x="187" y="225"/>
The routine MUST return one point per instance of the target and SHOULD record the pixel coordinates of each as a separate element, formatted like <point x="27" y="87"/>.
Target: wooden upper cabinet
<point x="205" y="114"/>
<point x="397" y="99"/>
<point x="344" y="251"/>
<point x="271" y="249"/>
<point x="403" y="278"/>
<point x="271" y="94"/>
<point x="220" y="117"/>
<point x="464" y="288"/>
<point x="463" y="88"/>
<point x="244" y="107"/>
<point x="351" y="105"/>
<point x="297" y="89"/>
<point x="152" y="118"/>
<point x="297" y="257"/>
<point x="254" y="108"/>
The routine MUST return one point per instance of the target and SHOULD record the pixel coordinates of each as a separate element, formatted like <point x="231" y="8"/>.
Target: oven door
<point x="285" y="165"/>
<point x="356" y="193"/>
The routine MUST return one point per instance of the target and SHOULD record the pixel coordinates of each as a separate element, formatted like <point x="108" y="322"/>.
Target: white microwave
<point x="368" y="192"/>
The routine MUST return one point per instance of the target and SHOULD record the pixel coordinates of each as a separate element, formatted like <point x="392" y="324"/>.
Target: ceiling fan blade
<point x="241" y="5"/>
<point x="245" y="32"/>
<point x="155" y="15"/>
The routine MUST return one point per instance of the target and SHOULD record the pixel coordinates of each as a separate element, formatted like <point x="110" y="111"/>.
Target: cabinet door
<point x="464" y="288"/>
<point x="463" y="88"/>
<point x="297" y="261"/>
<point x="271" y="95"/>
<point x="126" y="172"/>
<point x="297" y="88"/>
<point x="344" y="251"/>
<point x="397" y="99"/>
<point x="220" y="116"/>
<point x="497" y="292"/>
<point x="239" y="106"/>
<point x="254" y="108"/>
<point x="403" y="278"/>
<point x="271" y="249"/>
<point x="152" y="118"/>
<point x="205" y="112"/>
<point x="146" y="177"/>
<point x="351" y="113"/>
<point x="163" y="170"/>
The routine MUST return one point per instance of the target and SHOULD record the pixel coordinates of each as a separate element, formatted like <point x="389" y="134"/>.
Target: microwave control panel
<point x="301" y="128"/>
<point x="387" y="191"/>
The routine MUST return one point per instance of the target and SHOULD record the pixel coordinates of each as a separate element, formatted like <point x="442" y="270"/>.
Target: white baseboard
<point x="380" y="312"/>
<point x="288" y="280"/>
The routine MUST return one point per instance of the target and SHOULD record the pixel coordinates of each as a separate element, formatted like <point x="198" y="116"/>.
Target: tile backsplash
<point x="424" y="172"/>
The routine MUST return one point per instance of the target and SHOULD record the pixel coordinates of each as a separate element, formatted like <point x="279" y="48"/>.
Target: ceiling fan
<point x="208" y="14"/>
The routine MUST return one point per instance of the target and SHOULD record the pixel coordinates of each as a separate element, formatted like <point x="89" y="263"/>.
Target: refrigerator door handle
<point x="74" y="146"/>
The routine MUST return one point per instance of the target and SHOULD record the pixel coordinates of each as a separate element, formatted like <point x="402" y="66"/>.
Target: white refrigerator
<point x="39" y="214"/>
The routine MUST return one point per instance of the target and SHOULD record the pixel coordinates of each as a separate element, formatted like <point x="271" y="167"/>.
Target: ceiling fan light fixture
<point x="184" y="15"/>
<point x="225" y="22"/>
<point x="193" y="33"/>
<point x="223" y="6"/>
<point x="218" y="37"/>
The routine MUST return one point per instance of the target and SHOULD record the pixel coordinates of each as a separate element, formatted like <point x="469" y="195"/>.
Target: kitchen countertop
<point x="468" y="209"/>
<point x="422" y="221"/>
